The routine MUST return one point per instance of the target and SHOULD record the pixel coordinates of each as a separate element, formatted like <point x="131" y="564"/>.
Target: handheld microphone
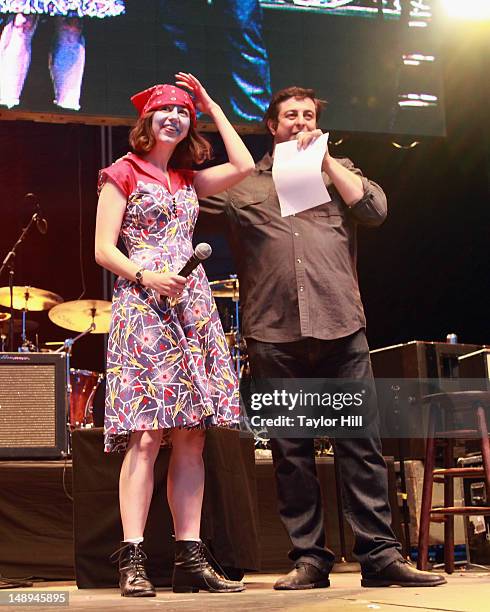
<point x="41" y="223"/>
<point x="202" y="251"/>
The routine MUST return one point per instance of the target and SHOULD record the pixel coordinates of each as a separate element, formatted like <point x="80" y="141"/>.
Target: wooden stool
<point x="446" y="407"/>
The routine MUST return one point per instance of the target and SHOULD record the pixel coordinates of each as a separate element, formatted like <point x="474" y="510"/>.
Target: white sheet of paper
<point x="298" y="177"/>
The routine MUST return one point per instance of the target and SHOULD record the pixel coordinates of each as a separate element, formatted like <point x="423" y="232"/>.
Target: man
<point x="303" y="318"/>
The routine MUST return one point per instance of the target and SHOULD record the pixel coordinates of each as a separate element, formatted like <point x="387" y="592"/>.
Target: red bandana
<point x="157" y="96"/>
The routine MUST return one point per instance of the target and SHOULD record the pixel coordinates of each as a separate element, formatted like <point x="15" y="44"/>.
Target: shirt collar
<point x="265" y="163"/>
<point x="177" y="179"/>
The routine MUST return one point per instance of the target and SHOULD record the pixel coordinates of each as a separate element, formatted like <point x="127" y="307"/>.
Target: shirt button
<point x="296" y="233"/>
<point x="298" y="260"/>
<point x="301" y="288"/>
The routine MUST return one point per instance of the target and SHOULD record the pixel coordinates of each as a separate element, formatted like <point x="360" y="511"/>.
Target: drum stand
<point x="229" y="288"/>
<point x="67" y="349"/>
<point x="27" y="346"/>
<point x="236" y="352"/>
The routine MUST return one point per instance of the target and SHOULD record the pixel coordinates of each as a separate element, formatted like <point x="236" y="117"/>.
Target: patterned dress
<point x="167" y="365"/>
<point x="65" y="8"/>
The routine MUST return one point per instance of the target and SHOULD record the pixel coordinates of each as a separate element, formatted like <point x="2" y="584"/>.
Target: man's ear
<point x="272" y="126"/>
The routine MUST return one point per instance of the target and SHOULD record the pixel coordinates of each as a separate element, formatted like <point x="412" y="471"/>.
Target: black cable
<point x="65" y="463"/>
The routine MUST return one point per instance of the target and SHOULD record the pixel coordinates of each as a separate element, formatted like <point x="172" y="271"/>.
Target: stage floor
<point x="465" y="592"/>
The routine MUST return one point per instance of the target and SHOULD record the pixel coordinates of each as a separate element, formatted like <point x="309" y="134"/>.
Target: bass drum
<point x="84" y="384"/>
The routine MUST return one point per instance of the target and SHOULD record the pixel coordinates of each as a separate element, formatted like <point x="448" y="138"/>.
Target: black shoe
<point x="132" y="574"/>
<point x="401" y="573"/>
<point x="193" y="572"/>
<point x="303" y="576"/>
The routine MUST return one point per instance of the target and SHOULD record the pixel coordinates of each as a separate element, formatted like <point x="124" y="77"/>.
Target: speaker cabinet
<point x="33" y="405"/>
<point x="418" y="359"/>
<point x="476" y="364"/>
<point x="415" y="360"/>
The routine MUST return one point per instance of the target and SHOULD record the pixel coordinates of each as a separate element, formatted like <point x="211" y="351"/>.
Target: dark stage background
<point x="423" y="274"/>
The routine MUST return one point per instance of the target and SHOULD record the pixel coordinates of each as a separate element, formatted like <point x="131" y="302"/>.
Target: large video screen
<point x="376" y="62"/>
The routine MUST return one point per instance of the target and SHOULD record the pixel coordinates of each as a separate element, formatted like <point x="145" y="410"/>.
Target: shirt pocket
<point x="329" y="213"/>
<point x="251" y="208"/>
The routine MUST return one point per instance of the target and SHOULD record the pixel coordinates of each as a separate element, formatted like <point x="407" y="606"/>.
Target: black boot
<point x="192" y="571"/>
<point x="132" y="574"/>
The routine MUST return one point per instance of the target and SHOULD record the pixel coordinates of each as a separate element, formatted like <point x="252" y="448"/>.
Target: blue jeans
<point x="364" y="482"/>
<point x="242" y="56"/>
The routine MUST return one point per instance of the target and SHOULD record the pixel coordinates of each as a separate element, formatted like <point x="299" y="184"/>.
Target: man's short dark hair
<point x="272" y="113"/>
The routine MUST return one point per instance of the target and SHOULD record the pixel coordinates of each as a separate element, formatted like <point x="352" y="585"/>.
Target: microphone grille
<point x="203" y="250"/>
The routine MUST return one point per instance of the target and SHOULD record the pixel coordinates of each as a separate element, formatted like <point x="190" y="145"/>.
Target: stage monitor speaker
<point x="33" y="405"/>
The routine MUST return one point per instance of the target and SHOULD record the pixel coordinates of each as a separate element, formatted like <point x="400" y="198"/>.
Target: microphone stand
<point x="9" y="262"/>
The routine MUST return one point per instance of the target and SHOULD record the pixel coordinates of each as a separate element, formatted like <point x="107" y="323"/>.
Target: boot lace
<point x="135" y="560"/>
<point x="204" y="556"/>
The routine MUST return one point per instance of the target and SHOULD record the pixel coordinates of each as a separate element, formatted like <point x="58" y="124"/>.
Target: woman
<point x="169" y="373"/>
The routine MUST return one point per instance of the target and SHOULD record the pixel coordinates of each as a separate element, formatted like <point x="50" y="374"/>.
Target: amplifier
<point x="476" y="364"/>
<point x="419" y="359"/>
<point x="33" y="405"/>
<point x="415" y="360"/>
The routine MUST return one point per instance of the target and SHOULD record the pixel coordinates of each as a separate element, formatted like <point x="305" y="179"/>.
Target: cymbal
<point x="4" y="316"/>
<point x="29" y="298"/>
<point x="227" y="288"/>
<point x="78" y="315"/>
<point x="5" y="325"/>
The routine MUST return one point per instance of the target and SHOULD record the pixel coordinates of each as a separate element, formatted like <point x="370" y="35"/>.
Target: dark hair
<point x="194" y="149"/>
<point x="272" y="113"/>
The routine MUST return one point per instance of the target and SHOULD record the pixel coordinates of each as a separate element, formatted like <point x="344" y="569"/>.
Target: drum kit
<point x="84" y="316"/>
<point x="90" y="317"/>
<point x="230" y="288"/>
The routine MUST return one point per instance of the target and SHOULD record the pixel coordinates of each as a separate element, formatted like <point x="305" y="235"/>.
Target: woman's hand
<point x="202" y="100"/>
<point x="164" y="283"/>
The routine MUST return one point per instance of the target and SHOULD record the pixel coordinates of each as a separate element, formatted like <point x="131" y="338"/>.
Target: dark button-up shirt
<point x="297" y="274"/>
